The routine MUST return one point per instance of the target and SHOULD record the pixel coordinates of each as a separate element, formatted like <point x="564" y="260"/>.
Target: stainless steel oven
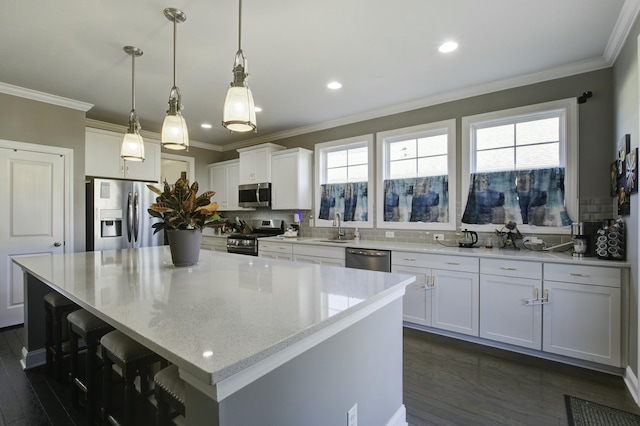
<point x="248" y="243"/>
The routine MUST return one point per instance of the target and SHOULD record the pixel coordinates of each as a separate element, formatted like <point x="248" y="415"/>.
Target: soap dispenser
<point x="356" y="234"/>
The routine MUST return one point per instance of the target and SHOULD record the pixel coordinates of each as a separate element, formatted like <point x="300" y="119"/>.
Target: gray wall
<point x="29" y="121"/>
<point x="626" y="110"/>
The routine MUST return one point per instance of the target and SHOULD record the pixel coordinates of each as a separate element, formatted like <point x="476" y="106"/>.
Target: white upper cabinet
<point x="102" y="158"/>
<point x="291" y="179"/>
<point x="223" y="179"/>
<point x="255" y="163"/>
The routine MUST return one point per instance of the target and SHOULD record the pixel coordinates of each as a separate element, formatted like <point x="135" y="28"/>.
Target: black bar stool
<point x="169" y="393"/>
<point x="134" y="360"/>
<point x="56" y="307"/>
<point x="86" y="326"/>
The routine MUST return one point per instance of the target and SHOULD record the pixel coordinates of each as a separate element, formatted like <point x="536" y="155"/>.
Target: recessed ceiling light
<point x="206" y="126"/>
<point x="334" y="85"/>
<point x="258" y="109"/>
<point x="447" y="47"/>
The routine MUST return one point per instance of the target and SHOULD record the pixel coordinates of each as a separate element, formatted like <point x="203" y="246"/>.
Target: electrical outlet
<point x="352" y="416"/>
<point x="438" y="237"/>
<point x="389" y="234"/>
<point x="311" y="222"/>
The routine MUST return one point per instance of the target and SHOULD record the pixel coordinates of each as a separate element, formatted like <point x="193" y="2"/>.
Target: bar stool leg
<point x="73" y="366"/>
<point x="129" y="397"/>
<point x="48" y="338"/>
<point x="107" y="367"/>
<point x="57" y="339"/>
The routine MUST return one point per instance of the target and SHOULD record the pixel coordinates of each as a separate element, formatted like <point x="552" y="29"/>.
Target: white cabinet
<point x="274" y="250"/>
<point x="582" y="318"/>
<point x="319" y="255"/>
<point x="223" y="179"/>
<point x="291" y="179"/>
<point x="102" y="158"/>
<point x="510" y="306"/>
<point x="255" y="163"/>
<point x="448" y="288"/>
<point x="210" y="242"/>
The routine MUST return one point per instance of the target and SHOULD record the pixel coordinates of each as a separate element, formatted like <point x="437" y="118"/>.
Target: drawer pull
<point x="410" y="259"/>
<point x="453" y="263"/>
<point x="507" y="268"/>
<point x="575" y="274"/>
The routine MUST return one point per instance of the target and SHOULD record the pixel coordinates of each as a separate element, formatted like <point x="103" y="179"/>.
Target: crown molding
<point x="627" y="17"/>
<point x="566" y="70"/>
<point x="34" y="95"/>
<point x="146" y="134"/>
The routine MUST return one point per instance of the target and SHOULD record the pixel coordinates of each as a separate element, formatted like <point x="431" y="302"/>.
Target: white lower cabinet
<point x="446" y="298"/>
<point x="275" y="250"/>
<point x="332" y="256"/>
<point x="583" y="320"/>
<point x="214" y="243"/>
<point x="510" y="307"/>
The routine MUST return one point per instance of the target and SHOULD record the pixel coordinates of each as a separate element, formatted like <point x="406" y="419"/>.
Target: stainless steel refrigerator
<point x="117" y="215"/>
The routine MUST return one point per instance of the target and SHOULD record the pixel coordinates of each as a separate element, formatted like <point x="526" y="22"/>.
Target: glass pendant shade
<point x="132" y="148"/>
<point x="174" y="132"/>
<point x="239" y="110"/>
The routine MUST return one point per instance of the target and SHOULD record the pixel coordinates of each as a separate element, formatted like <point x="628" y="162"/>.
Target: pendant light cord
<point x="133" y="82"/>
<point x="175" y="36"/>
<point x="240" y="26"/>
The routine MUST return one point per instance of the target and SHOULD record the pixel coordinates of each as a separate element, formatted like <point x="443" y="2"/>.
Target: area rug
<point x="586" y="413"/>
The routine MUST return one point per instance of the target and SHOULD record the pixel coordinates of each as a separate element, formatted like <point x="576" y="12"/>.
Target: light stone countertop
<point x="219" y="317"/>
<point x="478" y="252"/>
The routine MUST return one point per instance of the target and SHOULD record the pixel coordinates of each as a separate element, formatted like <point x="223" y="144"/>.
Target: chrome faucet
<point x="340" y="231"/>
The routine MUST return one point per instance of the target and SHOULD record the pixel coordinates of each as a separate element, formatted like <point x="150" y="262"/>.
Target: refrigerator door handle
<point x="129" y="217"/>
<point x="136" y="217"/>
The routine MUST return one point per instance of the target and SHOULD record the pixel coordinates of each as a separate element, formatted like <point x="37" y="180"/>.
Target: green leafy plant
<point x="180" y="207"/>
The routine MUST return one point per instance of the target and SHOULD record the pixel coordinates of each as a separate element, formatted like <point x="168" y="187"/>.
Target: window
<point x="344" y="176"/>
<point x="416" y="183"/>
<point x="514" y="148"/>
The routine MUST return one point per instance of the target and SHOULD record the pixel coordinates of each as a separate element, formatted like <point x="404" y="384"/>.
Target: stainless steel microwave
<point x="254" y="195"/>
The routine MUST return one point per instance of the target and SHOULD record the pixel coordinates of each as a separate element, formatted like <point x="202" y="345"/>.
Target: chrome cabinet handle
<point x="410" y="259"/>
<point x="453" y="263"/>
<point x="507" y="268"/>
<point x="575" y="274"/>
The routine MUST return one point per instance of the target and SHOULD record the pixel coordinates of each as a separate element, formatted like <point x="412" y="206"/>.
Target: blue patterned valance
<point x="421" y="199"/>
<point x="534" y="197"/>
<point x="349" y="200"/>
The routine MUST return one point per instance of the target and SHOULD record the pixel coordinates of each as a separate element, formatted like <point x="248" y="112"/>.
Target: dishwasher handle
<point x="369" y="253"/>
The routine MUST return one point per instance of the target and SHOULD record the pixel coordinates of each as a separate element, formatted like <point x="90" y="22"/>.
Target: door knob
<point x="57" y="244"/>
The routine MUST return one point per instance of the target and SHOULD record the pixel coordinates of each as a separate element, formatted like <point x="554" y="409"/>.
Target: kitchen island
<point x="257" y="341"/>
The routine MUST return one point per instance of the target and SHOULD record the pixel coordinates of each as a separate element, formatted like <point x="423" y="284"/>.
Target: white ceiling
<point x="384" y="52"/>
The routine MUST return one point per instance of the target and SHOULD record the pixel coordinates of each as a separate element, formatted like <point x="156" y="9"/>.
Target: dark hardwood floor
<point x="446" y="382"/>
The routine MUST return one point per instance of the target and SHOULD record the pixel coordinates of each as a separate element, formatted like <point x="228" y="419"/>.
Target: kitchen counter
<point x="478" y="252"/>
<point x="241" y="326"/>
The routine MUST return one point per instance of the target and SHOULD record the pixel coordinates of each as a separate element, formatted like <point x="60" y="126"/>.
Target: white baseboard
<point x="399" y="418"/>
<point x="32" y="359"/>
<point x="631" y="381"/>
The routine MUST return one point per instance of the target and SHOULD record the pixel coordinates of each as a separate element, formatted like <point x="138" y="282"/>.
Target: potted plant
<point x="183" y="214"/>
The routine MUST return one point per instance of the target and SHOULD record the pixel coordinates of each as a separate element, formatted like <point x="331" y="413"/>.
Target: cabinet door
<point x="147" y="170"/>
<point x="262" y="165"/>
<point x="218" y="183"/>
<point x="102" y="155"/>
<point x="233" y="180"/>
<point x="455" y="303"/>
<point x="247" y="167"/>
<point x="504" y="314"/>
<point x="274" y="255"/>
<point x="291" y="179"/>
<point x="416" y="302"/>
<point x="582" y="321"/>
<point x="318" y="260"/>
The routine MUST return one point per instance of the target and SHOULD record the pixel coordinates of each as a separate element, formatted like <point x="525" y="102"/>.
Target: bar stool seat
<point x="135" y="360"/>
<point x="169" y="393"/>
<point x="57" y="307"/>
<point x="84" y="325"/>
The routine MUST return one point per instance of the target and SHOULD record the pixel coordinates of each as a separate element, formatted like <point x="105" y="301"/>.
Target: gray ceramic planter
<point x="185" y="246"/>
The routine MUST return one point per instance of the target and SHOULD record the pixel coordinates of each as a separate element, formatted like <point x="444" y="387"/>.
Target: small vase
<point x="185" y="246"/>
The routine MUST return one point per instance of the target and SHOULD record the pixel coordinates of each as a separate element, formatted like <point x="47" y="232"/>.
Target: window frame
<point x="382" y="141"/>
<point x="321" y="150"/>
<point x="568" y="110"/>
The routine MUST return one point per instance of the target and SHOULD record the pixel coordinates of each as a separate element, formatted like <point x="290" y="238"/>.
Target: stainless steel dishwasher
<point x="371" y="260"/>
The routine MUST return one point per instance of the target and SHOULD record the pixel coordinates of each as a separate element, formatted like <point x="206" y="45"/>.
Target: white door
<point x="31" y="219"/>
<point x="416" y="303"/>
<point x="456" y="301"/>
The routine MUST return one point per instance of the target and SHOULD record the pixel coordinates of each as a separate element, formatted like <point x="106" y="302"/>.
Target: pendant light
<point x="132" y="148"/>
<point x="239" y="110"/>
<point x="174" y="129"/>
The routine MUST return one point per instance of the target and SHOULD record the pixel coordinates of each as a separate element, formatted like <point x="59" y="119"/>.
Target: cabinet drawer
<point x="310" y="250"/>
<point x="436" y="261"/>
<point x="274" y="246"/>
<point x="511" y="268"/>
<point x="579" y="274"/>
